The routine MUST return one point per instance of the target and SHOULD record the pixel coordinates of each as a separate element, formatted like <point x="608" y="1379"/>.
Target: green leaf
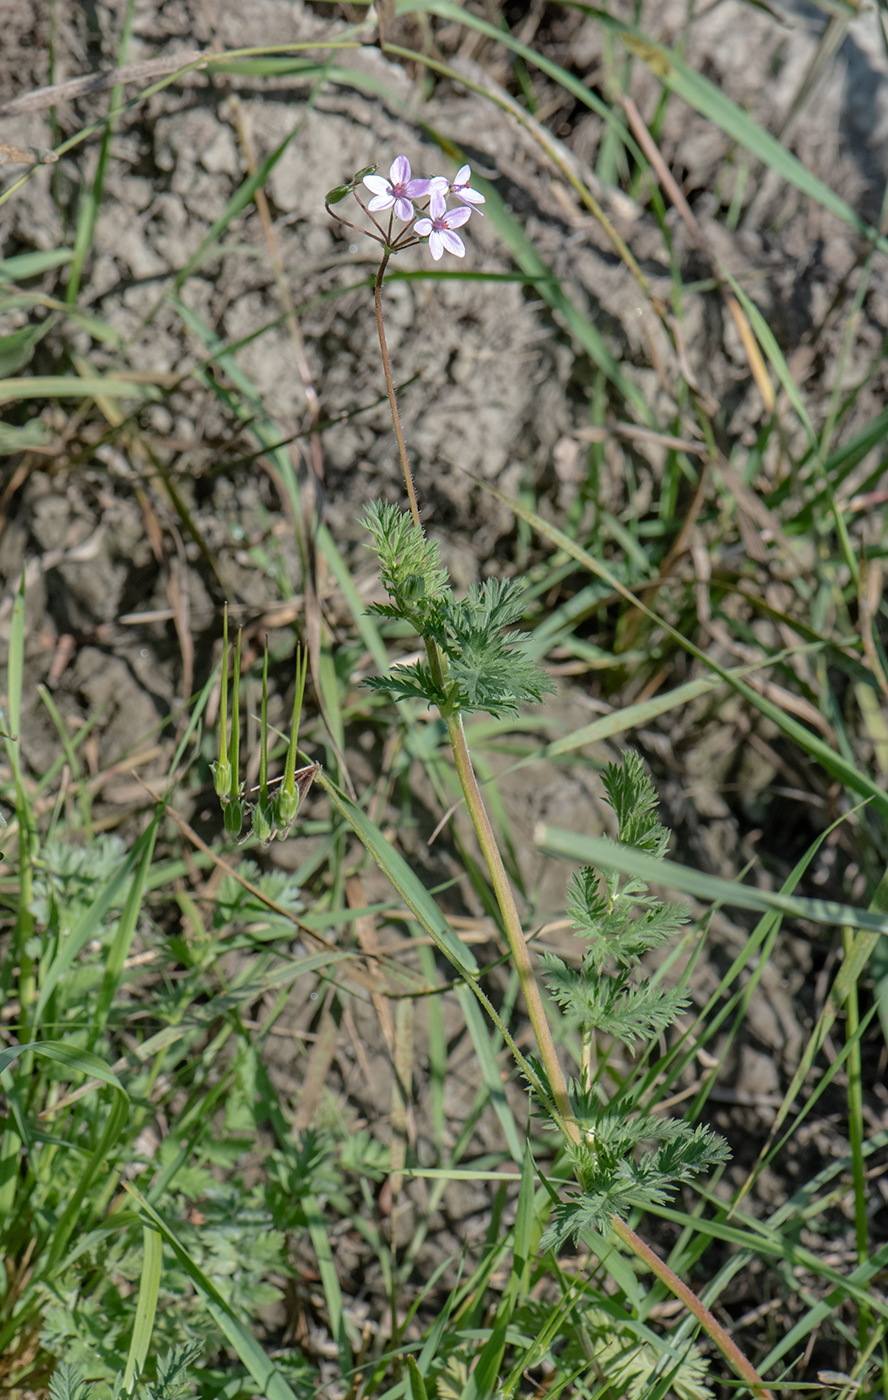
<point x="149" y="1287"/>
<point x="62" y="386"/>
<point x="17" y="348"/>
<point x="34" y="433"/>
<point x="67" y="1383"/>
<point x="79" y="1061"/>
<point x="24" y="265"/>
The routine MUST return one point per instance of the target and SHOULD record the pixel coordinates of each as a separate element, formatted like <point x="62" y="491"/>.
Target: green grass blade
<point x="97" y="1160"/>
<point x="23" y="265"/>
<point x="490" y="1070"/>
<point x="834" y="763"/>
<point x="91" y="199"/>
<point x="90" y="923"/>
<point x="711" y="102"/>
<point x="83" y="1061"/>
<point x="245" y="193"/>
<point x="329" y="1278"/>
<point x="149" y="1288"/>
<point x="70" y="386"/>
<point x="598" y="851"/>
<point x="427" y="913"/>
<point x="265" y="1374"/>
<point x="126" y="927"/>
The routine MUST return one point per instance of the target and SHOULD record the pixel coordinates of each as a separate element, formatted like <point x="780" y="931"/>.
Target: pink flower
<point x="439" y="229"/>
<point x="459" y="187"/>
<point x="398" y="190"/>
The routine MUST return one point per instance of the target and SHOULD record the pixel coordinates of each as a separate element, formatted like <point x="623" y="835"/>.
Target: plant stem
<point x="723" y="1340"/>
<point x="517" y="943"/>
<point x="475" y="803"/>
<point x="390" y="388"/>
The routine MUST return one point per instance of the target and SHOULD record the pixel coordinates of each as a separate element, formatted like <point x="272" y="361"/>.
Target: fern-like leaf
<point x="413" y="682"/>
<point x="410" y="565"/>
<point x="172" y="1381"/>
<point x="609" y="1003"/>
<point x="632" y="796"/>
<point x="67" y="1383"/>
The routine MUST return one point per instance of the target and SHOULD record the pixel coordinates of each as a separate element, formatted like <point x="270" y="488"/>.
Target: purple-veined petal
<point x="455" y="218"/>
<point x="423" y="227"/>
<point x="400" y="171"/>
<point x="404" y="209"/>
<point x="376" y="184"/>
<point x="381" y="201"/>
<point x="462" y="189"/>
<point x="452" y="242"/>
<point x="437" y="204"/>
<point x="417" y="189"/>
<point x="436" y="244"/>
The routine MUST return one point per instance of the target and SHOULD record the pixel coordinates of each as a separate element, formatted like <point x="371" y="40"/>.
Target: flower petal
<point x="423" y="227"/>
<point x="455" y="218"/>
<point x="452" y="242"/>
<point x="436" y="245"/>
<point x="376" y="183"/>
<point x="463" y="175"/>
<point x="437" y="206"/>
<point x="381" y="201"/>
<point x="400" y="171"/>
<point x="404" y="209"/>
<point x="417" y="189"/>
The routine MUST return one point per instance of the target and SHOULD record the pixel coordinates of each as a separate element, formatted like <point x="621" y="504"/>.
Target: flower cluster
<point x="405" y="194"/>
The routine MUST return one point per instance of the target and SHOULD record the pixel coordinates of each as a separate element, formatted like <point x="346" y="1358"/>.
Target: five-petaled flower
<point x="398" y="190"/>
<point x="439" y="229"/>
<point x="460" y="186"/>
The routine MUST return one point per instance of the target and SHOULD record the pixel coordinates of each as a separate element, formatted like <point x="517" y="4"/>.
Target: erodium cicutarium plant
<point x="621" y="1155"/>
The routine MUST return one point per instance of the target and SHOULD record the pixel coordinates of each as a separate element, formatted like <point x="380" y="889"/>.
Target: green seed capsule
<point x="222" y="777"/>
<point x="263" y="822"/>
<point x="286" y="805"/>
<point x="233" y="817"/>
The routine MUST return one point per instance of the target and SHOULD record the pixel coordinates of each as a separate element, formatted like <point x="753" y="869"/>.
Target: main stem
<point x="518" y="944"/>
<point x="502" y="888"/>
<point x="723" y="1340"/>
<point x="501" y="885"/>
